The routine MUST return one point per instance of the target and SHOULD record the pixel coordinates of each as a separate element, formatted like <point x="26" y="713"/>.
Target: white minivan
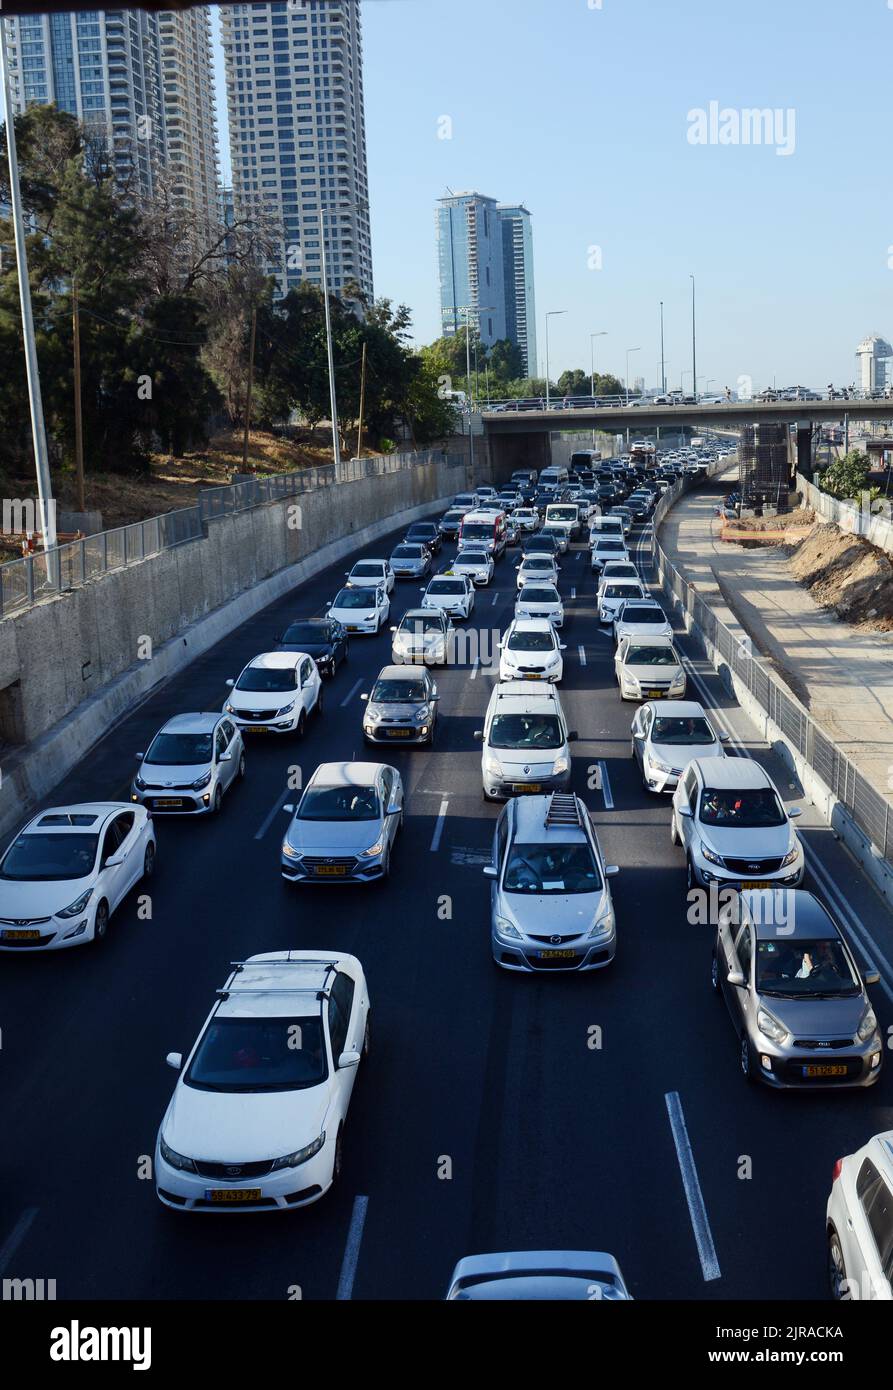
<point x="554" y="477"/>
<point x="567" y="516"/>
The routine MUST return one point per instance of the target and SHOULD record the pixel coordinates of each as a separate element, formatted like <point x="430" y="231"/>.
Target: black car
<point x="449" y="523"/>
<point x="322" y="638"/>
<point x="541" y="544"/>
<point x="424" y="533"/>
<point x="542" y="497"/>
<point x="607" y="494"/>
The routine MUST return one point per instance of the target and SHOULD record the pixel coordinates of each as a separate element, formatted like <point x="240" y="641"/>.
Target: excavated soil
<point x="846" y="575"/>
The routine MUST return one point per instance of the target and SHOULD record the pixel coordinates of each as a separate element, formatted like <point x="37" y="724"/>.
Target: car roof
<point x="58" y="818"/>
<point x="278" y="982"/>
<point x="274" y="660"/>
<point x="402" y="672"/>
<point x="657" y="640"/>
<point x="734" y="774"/>
<point x="683" y="709"/>
<point x="531" y="814"/>
<point x="801" y="914"/>
<point x="523" y="697"/>
<point x="191" y="723"/>
<point x="419" y="613"/>
<point x="347" y="774"/>
<point x="532" y="625"/>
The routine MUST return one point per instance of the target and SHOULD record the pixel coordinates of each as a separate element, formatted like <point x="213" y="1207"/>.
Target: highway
<point x="484" y="1118"/>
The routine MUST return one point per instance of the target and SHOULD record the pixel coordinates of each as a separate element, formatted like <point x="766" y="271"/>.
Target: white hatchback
<point x="537" y="600"/>
<point x="530" y="651"/>
<point x="257" y="1117"/>
<point x="537" y="569"/>
<point x="859" y="1223"/>
<point x="476" y="564"/>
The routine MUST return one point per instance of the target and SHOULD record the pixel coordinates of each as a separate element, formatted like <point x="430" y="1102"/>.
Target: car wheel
<point x="317" y="708"/>
<point x="386" y="866"/>
<point x="218" y="800"/>
<point x="241" y="764"/>
<point x="338" y="1158"/>
<point x="837" y="1277"/>
<point x="149" y="860"/>
<point x="745" y="1057"/>
<point x="367" y="1035"/>
<point x="690" y="880"/>
<point x="674" y="833"/>
<point x="302" y="725"/>
<point x="714" y="973"/>
<point x="101" y="922"/>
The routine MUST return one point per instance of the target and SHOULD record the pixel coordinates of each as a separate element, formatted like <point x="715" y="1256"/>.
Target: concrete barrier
<point x="71" y="667"/>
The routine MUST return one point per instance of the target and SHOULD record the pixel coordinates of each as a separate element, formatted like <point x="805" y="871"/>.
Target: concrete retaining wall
<point x="71" y="666"/>
<point x="878" y="529"/>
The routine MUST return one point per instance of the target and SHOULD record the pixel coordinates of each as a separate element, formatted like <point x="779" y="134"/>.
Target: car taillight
<point x="838" y="1169"/>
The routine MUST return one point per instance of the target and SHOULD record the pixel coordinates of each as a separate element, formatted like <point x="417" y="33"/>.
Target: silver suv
<point x="550" y="901"/>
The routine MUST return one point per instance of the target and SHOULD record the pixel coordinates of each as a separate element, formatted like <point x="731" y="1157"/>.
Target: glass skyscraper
<point x="517" y="263"/>
<point x="485" y="264"/>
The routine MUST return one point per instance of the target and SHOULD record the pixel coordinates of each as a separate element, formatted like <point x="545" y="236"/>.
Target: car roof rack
<point x="563" y="809"/>
<point x="239" y="965"/>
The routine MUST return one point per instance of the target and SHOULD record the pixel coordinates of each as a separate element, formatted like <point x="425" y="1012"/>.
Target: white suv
<point x="525" y="741"/>
<point x="531" y="651"/>
<point x="859" y="1223"/>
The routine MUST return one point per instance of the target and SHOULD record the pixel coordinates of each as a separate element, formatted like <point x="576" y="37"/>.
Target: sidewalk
<point x="842" y="676"/>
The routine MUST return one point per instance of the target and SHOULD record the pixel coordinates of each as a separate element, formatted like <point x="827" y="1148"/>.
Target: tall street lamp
<point x="628" y="351"/>
<point x="592" y="338"/>
<point x="694" y="363"/>
<point x="552" y="313"/>
<point x="663" y="365"/>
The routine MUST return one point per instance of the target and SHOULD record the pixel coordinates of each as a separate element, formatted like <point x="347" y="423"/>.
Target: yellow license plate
<point x="527" y="786"/>
<point x="534" y="676"/>
<point x="256" y="728"/>
<point x="654" y="694"/>
<point x="828" y="1070"/>
<point x="330" y="870"/>
<point x="401" y="733"/>
<point x="16" y="935"/>
<point x="557" y="955"/>
<point x="756" y="883"/>
<point x="226" y="1195"/>
<point x="168" y="801"/>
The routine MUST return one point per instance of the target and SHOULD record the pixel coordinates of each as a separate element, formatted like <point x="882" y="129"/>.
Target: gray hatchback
<point x="551" y="905"/>
<point x="402" y="706"/>
<point x="796" y="997"/>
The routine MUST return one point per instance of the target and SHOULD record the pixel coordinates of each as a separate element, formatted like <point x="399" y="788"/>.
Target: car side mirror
<point x="364" y="697"/>
<point x="562" y="646"/>
<point x="724" y="738"/>
<point x="684" y="809"/>
<point x="611" y="870"/>
<point x="225" y="757"/>
<point x="394" y="809"/>
<point x="736" y="978"/>
<point x="349" y="1059"/>
<point x="490" y="871"/>
<point x="794" y="812"/>
<point x="478" y="734"/>
<point x="573" y="736"/>
<point x="434" y="697"/>
<point x="393" y="629"/>
<point x="230" y="683"/>
<point x="289" y="809"/>
<point x="871" y="977"/>
<point x="175" y="1060"/>
<point x="139" y="757"/>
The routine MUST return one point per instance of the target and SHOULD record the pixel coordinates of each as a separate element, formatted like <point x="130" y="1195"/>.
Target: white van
<point x="554" y="477"/>
<point x="567" y="516"/>
<point x="525" y="741"/>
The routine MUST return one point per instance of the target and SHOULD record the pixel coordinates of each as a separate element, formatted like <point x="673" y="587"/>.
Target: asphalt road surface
<point x="484" y="1118"/>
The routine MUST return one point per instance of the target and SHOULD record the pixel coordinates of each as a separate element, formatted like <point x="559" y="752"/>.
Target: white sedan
<point x="360" y="609"/>
<point x="476" y="564"/>
<point x="531" y="651"/>
<point x="537" y="600"/>
<point x="68" y="869"/>
<point x="527" y="519"/>
<point x="275" y="694"/>
<point x="666" y="735"/>
<point x="257" y="1117"/>
<point x="538" y="569"/>
<point x="453" y="594"/>
<point x="638" y="618"/>
<point x="649" y="668"/>
<point x="366" y="572"/>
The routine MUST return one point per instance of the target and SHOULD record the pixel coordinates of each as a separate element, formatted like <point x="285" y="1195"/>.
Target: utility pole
<point x="78" y="420"/>
<point x="663" y="368"/>
<point x="694" y="364"/>
<point x="362" y="403"/>
<point x="248" y="394"/>
<point x="38" y="429"/>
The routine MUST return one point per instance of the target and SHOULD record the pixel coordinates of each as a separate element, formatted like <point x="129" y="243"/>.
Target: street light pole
<point x="694" y="363"/>
<point x="552" y="313"/>
<point x="663" y="368"/>
<point x="336" y="443"/>
<point x="592" y="338"/>
<point x="38" y="429"/>
<point x="626" y="383"/>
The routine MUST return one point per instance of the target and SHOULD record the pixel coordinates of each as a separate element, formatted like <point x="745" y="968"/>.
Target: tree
<point x="846" y="477"/>
<point x="574" y="383"/>
<point x="505" y="361"/>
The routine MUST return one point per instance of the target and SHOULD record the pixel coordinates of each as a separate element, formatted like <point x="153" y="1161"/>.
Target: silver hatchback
<point x="402" y="707"/>
<point x="190" y="763"/>
<point x="551" y="906"/>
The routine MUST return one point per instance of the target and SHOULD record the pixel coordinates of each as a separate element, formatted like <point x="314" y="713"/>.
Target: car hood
<point x="160" y="775"/>
<point x="550" y="914"/>
<point x="818" y="1018"/>
<point x="393" y="709"/>
<point x="678" y="754"/>
<point x="643" y="630"/>
<point x="40" y="899"/>
<point x="539" y="760"/>
<point x="422" y="639"/>
<point x="333" y="837"/>
<point x="651" y="673"/>
<point x="232" y="1127"/>
<point x="351" y="615"/>
<point x="260" y="699"/>
<point x="758" y="842"/>
<point x="408" y="564"/>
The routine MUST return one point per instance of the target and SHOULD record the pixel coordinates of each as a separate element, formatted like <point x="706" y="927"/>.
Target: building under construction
<point x="764" y="465"/>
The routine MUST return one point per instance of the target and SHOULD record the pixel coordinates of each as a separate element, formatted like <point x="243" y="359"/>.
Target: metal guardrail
<point x="25" y="582"/>
<point x="868" y="808"/>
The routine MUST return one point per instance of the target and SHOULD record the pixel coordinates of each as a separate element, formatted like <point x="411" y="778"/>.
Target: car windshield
<point x="407" y="552"/>
<point x="472" y="557"/>
<point x="418" y="626"/>
<point x="562" y="513"/>
<point x="180" y="750"/>
<point x="464" y="499"/>
<point x="453" y="516"/>
<point x="343" y="803"/>
<point x="425" y="533"/>
<point x="619" y="569"/>
<point x="367" y="569"/>
<point x="607" y="547"/>
<point x="267" y="678"/>
<point x="543" y="869"/>
<point x="677" y="729"/>
<point x="638" y="654"/>
<point x="642" y="615"/>
<point x="531" y="642"/>
<point x="749" y="808"/>
<point x="299" y="633"/>
<point x="45" y="858"/>
<point x="618" y="591"/>
<point x="259" y="1054"/>
<point x="477" y="530"/>
<point x="446" y="586"/>
<point x="529" y="594"/>
<point x="539" y="562"/>
<point x="804" y="968"/>
<point x="526" y="731"/>
<point x="399" y="691"/>
<point x="355" y="598"/>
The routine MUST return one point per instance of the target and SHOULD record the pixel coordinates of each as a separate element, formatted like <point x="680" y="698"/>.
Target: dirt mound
<point x="847" y="575"/>
<point x="800" y="518"/>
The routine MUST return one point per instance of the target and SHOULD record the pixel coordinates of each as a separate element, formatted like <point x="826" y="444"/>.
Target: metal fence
<point x="868" y="808"/>
<point x="25" y="582"/>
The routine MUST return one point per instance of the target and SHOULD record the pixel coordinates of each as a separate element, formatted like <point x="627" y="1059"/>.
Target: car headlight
<point x="868" y="1025"/>
<point x="792" y="854"/>
<point x="770" y="1027"/>
<point x="629" y="681"/>
<point x="230" y="709"/>
<point x="201" y="781"/>
<point x="492" y="764"/>
<point x="175" y="1160"/>
<point x="657" y="766"/>
<point x="139" y="783"/>
<point x="290" y="852"/>
<point x="74" y="908"/>
<point x="286" y="709"/>
<point x="602" y="926"/>
<point x="710" y="856"/>
<point x="677" y="680"/>
<point x="561" y="764"/>
<point x="422" y="712"/>
<point x="506" y="929"/>
<point x="373" y="850"/>
<point x="300" y="1155"/>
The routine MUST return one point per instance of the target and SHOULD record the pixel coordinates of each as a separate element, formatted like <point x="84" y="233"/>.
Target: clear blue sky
<point x="582" y="114"/>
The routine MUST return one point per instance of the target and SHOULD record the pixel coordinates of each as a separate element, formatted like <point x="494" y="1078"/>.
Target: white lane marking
<point x="606" y="787"/>
<point x="475" y="665"/>
<point x="438" y="825"/>
<point x="874" y="956"/>
<point x="352" y="1250"/>
<point x="573" y="591"/>
<point x="582" y="651"/>
<point x="469" y="854"/>
<point x="16" y="1236"/>
<point x="273" y="813"/>
<point x="693" y="1195"/>
<point x="495" y="597"/>
<point x="350" y="694"/>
